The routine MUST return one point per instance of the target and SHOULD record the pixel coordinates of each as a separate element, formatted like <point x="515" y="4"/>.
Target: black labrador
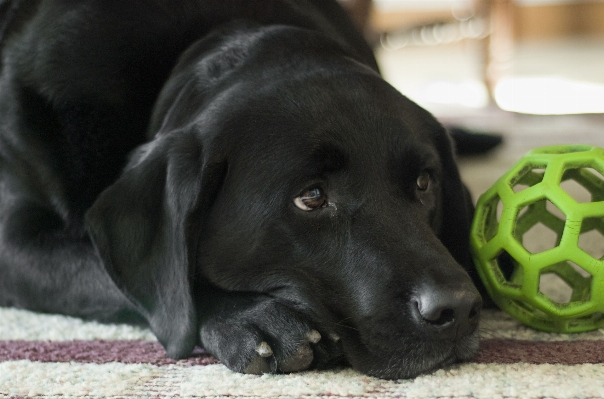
<point x="237" y="175"/>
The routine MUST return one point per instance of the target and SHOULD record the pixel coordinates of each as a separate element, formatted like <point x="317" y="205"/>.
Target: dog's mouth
<point x="398" y="356"/>
<point x="410" y="358"/>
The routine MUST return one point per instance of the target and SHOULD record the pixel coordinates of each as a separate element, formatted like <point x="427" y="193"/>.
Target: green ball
<point x="538" y="239"/>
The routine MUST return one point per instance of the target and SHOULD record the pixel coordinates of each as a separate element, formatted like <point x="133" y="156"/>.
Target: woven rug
<point x="48" y="356"/>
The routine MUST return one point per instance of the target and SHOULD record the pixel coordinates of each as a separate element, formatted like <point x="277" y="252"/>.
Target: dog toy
<point x="538" y="239"/>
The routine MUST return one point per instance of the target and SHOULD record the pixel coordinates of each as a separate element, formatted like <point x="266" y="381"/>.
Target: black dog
<point x="282" y="206"/>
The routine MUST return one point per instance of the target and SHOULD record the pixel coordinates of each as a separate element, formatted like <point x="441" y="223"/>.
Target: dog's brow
<point x="329" y="158"/>
<point x="410" y="160"/>
<point x="429" y="159"/>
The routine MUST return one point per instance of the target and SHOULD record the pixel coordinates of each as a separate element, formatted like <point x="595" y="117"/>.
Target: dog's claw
<point x="313" y="336"/>
<point x="334" y="337"/>
<point x="264" y="350"/>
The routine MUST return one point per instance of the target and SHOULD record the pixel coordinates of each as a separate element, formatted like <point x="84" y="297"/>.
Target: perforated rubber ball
<point x="538" y="239"/>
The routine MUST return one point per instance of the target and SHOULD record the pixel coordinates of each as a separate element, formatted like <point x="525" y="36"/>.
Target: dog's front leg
<point x="45" y="267"/>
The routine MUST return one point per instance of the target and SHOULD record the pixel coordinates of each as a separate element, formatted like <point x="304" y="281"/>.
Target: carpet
<point x="50" y="356"/>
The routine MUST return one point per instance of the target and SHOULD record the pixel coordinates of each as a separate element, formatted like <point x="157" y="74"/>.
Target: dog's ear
<point x="457" y="214"/>
<point x="145" y="228"/>
<point x="457" y="206"/>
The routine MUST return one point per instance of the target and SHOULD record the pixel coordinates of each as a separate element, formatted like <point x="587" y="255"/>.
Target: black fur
<point x="153" y="154"/>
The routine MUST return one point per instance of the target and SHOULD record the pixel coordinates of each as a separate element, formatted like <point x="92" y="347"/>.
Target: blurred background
<point x="529" y="70"/>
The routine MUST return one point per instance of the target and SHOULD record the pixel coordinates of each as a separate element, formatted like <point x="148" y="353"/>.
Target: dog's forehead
<point x="330" y="123"/>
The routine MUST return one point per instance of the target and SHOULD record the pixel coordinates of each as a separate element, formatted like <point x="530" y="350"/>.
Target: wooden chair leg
<point x="499" y="44"/>
<point x="359" y="11"/>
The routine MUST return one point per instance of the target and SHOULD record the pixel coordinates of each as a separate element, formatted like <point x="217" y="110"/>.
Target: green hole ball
<point x="538" y="239"/>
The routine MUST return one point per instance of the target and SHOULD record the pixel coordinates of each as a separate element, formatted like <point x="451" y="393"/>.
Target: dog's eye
<point x="311" y="199"/>
<point x="423" y="181"/>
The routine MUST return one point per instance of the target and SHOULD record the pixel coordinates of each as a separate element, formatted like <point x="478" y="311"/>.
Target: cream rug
<point x="48" y="356"/>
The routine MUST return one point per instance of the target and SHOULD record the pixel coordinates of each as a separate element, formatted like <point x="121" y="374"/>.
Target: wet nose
<point x="447" y="312"/>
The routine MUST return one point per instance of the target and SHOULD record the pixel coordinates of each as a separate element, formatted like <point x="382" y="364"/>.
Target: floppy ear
<point x="457" y="212"/>
<point x="145" y="228"/>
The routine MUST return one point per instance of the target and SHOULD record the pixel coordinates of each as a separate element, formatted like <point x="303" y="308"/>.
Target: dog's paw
<point x="266" y="337"/>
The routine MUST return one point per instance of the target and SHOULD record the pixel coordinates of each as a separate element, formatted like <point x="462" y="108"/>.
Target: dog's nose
<point x="447" y="312"/>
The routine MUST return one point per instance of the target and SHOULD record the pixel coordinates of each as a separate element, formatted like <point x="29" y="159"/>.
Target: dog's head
<point x="304" y="177"/>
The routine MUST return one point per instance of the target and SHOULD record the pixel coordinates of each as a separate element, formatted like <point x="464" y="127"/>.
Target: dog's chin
<point x="413" y="359"/>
